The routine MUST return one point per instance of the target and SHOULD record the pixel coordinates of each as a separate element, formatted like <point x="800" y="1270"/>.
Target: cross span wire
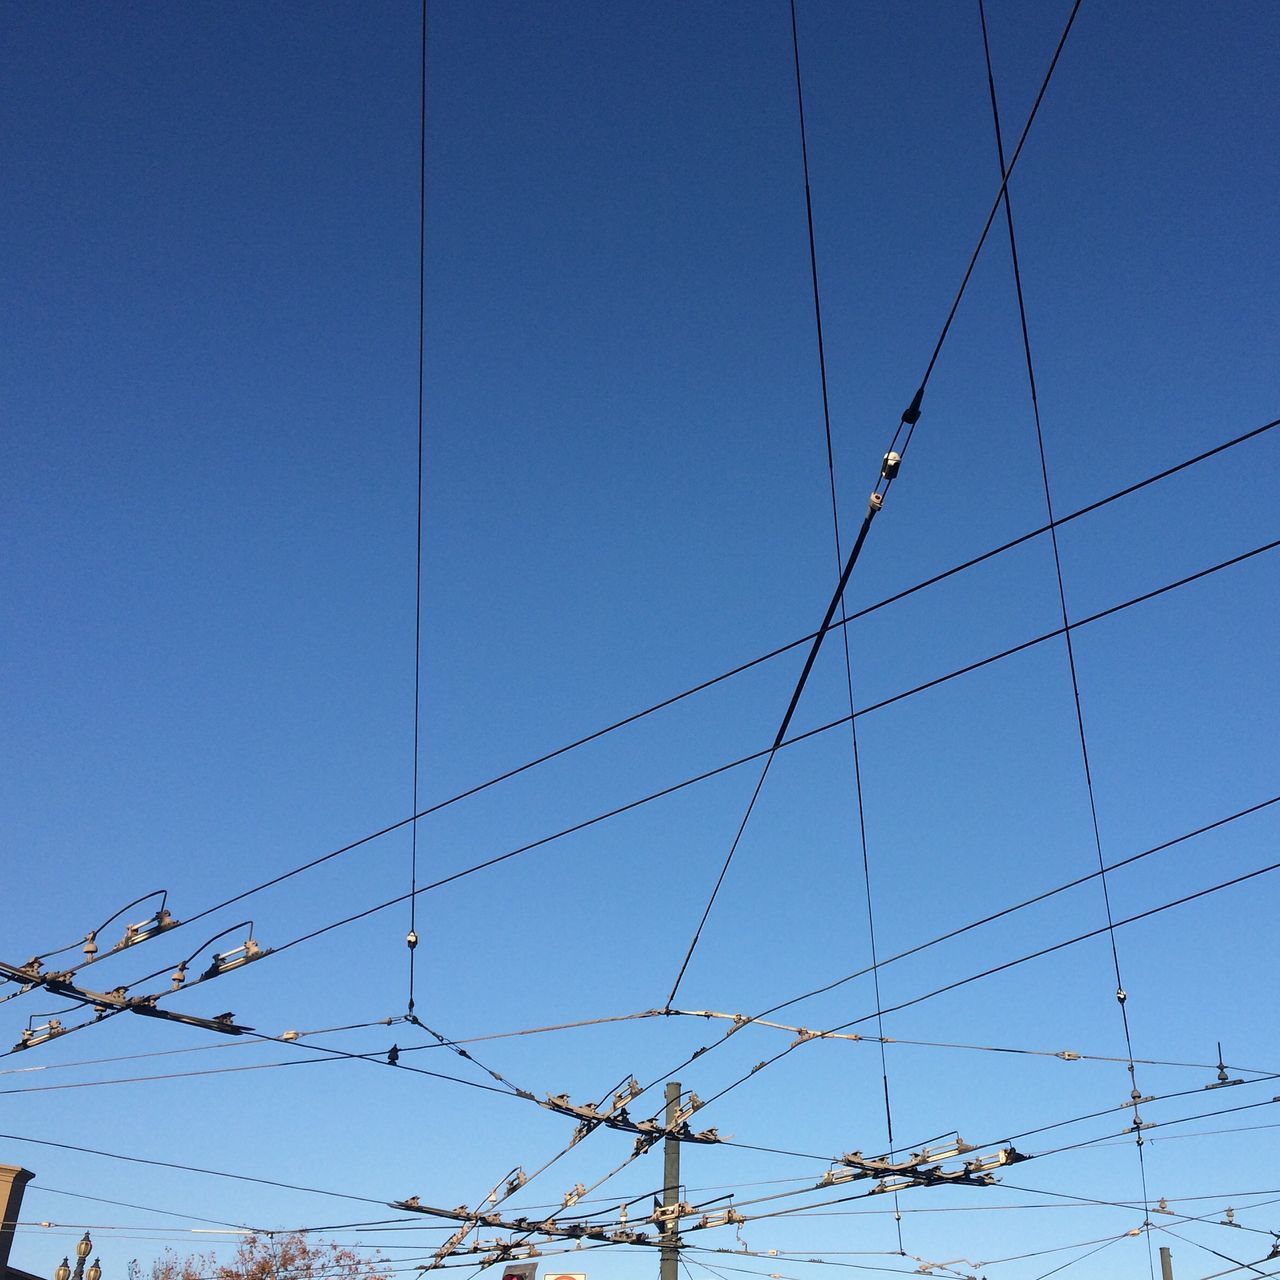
<point x="1121" y="995"/>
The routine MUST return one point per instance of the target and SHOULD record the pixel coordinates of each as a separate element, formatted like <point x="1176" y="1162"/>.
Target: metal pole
<point x="1166" y="1263"/>
<point x="668" y="1268"/>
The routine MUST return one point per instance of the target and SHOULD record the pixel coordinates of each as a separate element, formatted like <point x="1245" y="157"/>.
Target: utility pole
<point x="1166" y="1263"/>
<point x="668" y="1268"/>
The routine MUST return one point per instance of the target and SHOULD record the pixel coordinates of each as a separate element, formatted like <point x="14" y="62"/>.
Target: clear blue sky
<point x="209" y="367"/>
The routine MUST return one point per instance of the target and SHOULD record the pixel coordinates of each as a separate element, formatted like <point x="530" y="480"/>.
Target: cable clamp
<point x="874" y="503"/>
<point x="911" y="415"/>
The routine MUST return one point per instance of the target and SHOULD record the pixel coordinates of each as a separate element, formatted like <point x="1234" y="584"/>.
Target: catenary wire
<point x="1010" y="964"/>
<point x="910" y="416"/>
<point x="772" y="750"/>
<point x="1063" y="1054"/>
<point x="1121" y="995"/>
<point x="1244" y="1266"/>
<point x="1053" y="1271"/>
<point x="40" y="1188"/>
<point x="664" y="703"/>
<point x="417" y="572"/>
<point x="1056" y="1150"/>
<point x="188" y="1168"/>
<point x="844" y="621"/>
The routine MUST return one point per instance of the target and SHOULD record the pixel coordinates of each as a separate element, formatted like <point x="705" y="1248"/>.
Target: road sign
<point x="520" y="1271"/>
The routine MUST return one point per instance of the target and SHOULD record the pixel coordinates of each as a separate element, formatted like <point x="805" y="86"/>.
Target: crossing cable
<point x="1010" y="964"/>
<point x="1010" y="910"/>
<point x="1158" y="1124"/>
<point x="1018" y="1136"/>
<point x="43" y="1067"/>
<point x="1053" y="1271"/>
<point x="719" y="1270"/>
<point x="385" y="1225"/>
<point x="1088" y="1202"/>
<point x="888" y="473"/>
<point x="1088" y="509"/>
<point x="1066" y="1055"/>
<point x="823" y="728"/>
<point x="373" y="1055"/>
<point x="1243" y="1266"/>
<point x="1230" y="1270"/>
<point x="808" y="1209"/>
<point x="412" y="939"/>
<point x="844" y="621"/>
<point x="1121" y="996"/>
<point x="188" y="1168"/>
<point x="769" y="752"/>
<point x="144" y="1208"/>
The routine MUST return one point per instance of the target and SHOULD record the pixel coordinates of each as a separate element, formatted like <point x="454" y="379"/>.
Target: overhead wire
<point x="839" y="554"/>
<point x="412" y="939"/>
<point x="1244" y="1266"/>
<point x="1010" y="964"/>
<point x="875" y="969"/>
<point x="1122" y="923"/>
<point x="1121" y="994"/>
<point x="370" y="1057"/>
<point x="888" y="473"/>
<point x="1233" y="442"/>
<point x="809" y="1190"/>
<point x="1053" y="1271"/>
<point x="40" y="1188"/>
<point x="956" y="932"/>
<point x="188" y="1168"/>
<point x="1078" y="1201"/>
<point x="242" y="1043"/>
<point x="771" y="751"/>
<point x="1066" y="1055"/>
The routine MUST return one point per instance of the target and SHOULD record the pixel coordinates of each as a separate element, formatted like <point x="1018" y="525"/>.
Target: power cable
<point x="1088" y="509"/>
<point x="888" y="473"/>
<point x="843" y="1199"/>
<point x="844" y="621"/>
<point x="40" y="1188"/>
<point x="188" y="1168"/>
<point x="1066" y="1055"/>
<point x="1078" y="1201"/>
<point x="377" y="1058"/>
<point x="1044" y="1275"/>
<point x="1028" y="902"/>
<point x="1010" y="964"/>
<point x="1243" y="1266"/>
<point x="1121" y="995"/>
<point x="412" y="938"/>
<point x="769" y="752"/>
<point x="956" y="932"/>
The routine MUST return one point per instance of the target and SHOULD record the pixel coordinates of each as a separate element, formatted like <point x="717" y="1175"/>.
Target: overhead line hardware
<point x="1088" y="509"/>
<point x="106" y="1004"/>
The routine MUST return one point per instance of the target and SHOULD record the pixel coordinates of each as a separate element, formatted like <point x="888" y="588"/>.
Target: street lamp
<point x="84" y="1246"/>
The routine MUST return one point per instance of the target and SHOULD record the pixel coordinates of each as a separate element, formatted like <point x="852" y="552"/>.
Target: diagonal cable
<point x="844" y="621"/>
<point x="1062" y="601"/>
<point x="412" y="939"/>
<point x="888" y="473"/>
